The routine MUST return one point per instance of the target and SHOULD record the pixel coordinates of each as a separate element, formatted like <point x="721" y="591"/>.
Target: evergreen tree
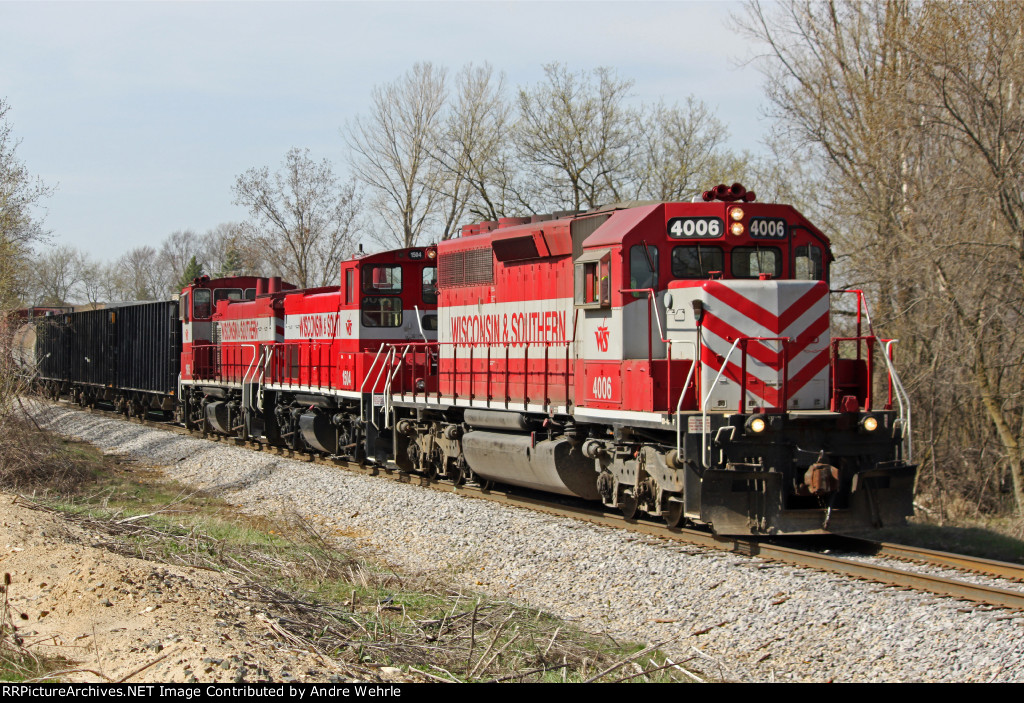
<point x="233" y="263"/>
<point x="192" y="271"/>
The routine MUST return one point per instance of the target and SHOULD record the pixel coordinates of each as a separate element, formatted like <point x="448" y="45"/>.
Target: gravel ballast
<point x="727" y="616"/>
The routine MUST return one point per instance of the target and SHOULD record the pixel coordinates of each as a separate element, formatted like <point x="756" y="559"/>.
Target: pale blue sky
<point x="142" y="114"/>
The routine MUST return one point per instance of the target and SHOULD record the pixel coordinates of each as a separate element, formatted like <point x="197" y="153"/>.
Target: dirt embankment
<point x="117" y="618"/>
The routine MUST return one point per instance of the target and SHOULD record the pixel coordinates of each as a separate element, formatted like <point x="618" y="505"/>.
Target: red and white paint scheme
<point x="224" y="323"/>
<point x="766" y="340"/>
<point x="333" y="335"/>
<point x="671" y="335"/>
<point x="675" y="358"/>
<point x="570" y="315"/>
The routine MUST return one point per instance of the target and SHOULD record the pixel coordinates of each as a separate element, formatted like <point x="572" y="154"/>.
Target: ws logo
<point x="602" y="337"/>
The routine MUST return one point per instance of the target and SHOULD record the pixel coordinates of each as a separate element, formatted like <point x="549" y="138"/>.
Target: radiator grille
<point x="466" y="268"/>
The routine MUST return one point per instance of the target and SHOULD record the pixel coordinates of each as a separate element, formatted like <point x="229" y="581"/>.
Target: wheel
<point x="673" y="513"/>
<point x="458" y="476"/>
<point x="628" y="504"/>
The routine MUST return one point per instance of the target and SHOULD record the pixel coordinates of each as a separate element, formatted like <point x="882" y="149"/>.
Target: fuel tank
<point x="554" y="465"/>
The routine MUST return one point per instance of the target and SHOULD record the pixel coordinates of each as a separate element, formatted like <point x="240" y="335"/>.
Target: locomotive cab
<point x="333" y="369"/>
<point x="227" y="326"/>
<point x="715" y="318"/>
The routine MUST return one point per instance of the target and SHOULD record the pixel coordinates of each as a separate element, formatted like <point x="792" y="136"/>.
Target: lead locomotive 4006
<point x="678" y="359"/>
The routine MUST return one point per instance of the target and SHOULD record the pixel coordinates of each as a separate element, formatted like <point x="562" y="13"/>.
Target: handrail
<point x="652" y="298"/>
<point x="679" y="403"/>
<point x="388" y="359"/>
<point x="245" y="376"/>
<point x="366" y="378"/>
<point x="901" y="397"/>
<point x="704" y="404"/>
<point x="425" y="347"/>
<point x="388" y="400"/>
<point x="784" y="371"/>
<point x="419" y="323"/>
<point x="261" y="386"/>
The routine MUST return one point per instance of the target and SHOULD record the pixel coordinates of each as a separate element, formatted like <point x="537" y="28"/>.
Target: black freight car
<point x="125" y="354"/>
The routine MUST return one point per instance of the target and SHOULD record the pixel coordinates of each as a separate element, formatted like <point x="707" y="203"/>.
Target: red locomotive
<point x="293" y="366"/>
<point x="678" y="359"/>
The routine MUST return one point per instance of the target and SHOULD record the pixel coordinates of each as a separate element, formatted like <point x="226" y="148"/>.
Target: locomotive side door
<point x="599" y="339"/>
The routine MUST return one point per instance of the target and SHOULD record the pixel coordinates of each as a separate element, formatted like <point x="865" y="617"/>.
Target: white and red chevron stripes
<point x="797" y="311"/>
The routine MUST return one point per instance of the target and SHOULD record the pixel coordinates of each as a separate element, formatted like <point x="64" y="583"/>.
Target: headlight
<point x="736" y="214"/>
<point x="756" y="424"/>
<point x="869" y="423"/>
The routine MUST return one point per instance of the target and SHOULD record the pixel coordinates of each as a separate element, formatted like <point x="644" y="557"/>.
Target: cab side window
<point x="430" y="285"/>
<point x="643" y="268"/>
<point x="593" y="282"/>
<point x="808" y="264"/>
<point x="227" y="294"/>
<point x="201" y="304"/>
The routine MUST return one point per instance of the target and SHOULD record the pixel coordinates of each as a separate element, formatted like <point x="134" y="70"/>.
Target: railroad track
<point x="789" y="551"/>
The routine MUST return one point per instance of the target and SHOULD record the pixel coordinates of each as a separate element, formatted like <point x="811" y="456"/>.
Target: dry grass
<point x="30" y="458"/>
<point x="33" y="460"/>
<point x="361" y="617"/>
<point x="355" y="614"/>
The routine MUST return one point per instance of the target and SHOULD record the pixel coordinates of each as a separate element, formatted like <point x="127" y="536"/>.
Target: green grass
<point x="17" y="667"/>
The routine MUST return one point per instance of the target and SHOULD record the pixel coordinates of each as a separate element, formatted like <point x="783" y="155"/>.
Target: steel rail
<point x="934" y="557"/>
<point x="963" y="562"/>
<point x="940" y="585"/>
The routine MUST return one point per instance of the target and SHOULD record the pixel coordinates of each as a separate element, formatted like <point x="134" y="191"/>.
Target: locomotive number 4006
<point x="695" y="227"/>
<point x="602" y="389"/>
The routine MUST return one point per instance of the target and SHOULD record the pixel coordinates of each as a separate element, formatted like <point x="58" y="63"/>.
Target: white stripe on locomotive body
<point x="509" y="324"/>
<point x="322" y="325"/>
<point x="191" y="331"/>
<point x="252" y="329"/>
<point x="772" y="298"/>
<point x="602" y="334"/>
<point x="345" y="324"/>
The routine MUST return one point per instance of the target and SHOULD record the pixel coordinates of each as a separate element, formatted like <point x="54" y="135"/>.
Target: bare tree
<point x="95" y="283"/>
<point x="302" y="219"/>
<point x="476" y="149"/>
<point x="19" y="194"/>
<point x="970" y="61"/>
<point x="136" y="276"/>
<point x="575" y="137"/>
<point x="176" y="252"/>
<point x="680" y="152"/>
<point x="391" y="154"/>
<point x="56" y="274"/>
<point x="226" y="251"/>
<point x="911" y="116"/>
